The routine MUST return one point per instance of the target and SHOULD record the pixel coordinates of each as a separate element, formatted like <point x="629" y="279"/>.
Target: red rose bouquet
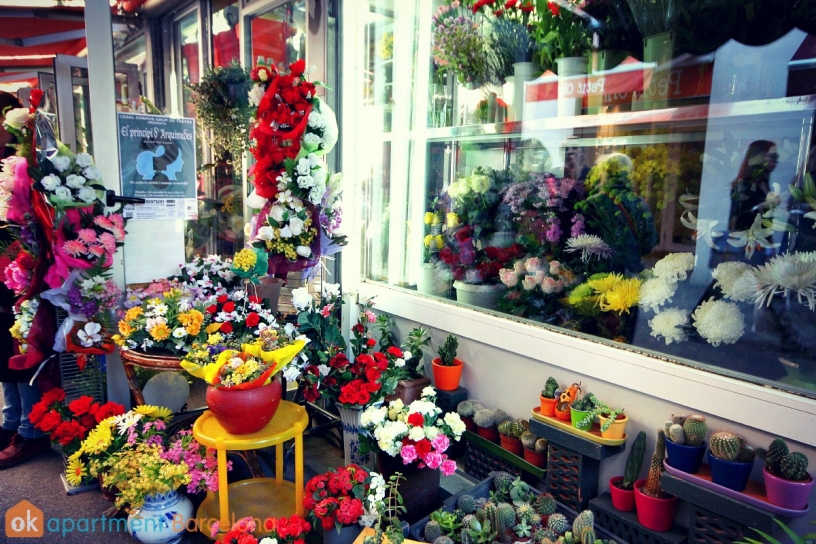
<point x="337" y="498"/>
<point x="477" y="266"/>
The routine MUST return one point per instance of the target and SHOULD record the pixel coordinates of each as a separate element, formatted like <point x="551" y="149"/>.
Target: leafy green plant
<point x="481" y="532"/>
<point x="388" y="528"/>
<point x="634" y="462"/>
<point x="809" y="538"/>
<point x="520" y="492"/>
<point x="385" y="326"/>
<point x="414" y="342"/>
<point x="447" y="521"/>
<point x="447" y="351"/>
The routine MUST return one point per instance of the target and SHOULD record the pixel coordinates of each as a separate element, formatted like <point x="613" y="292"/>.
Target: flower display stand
<point x="483" y="457"/>
<point x="573" y="465"/>
<point x="625" y="525"/>
<point x="259" y="498"/>
<point x="449" y="400"/>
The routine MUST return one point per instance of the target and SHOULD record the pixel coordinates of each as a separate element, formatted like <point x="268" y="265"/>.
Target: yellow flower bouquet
<point x="143" y="471"/>
<point x="607" y="302"/>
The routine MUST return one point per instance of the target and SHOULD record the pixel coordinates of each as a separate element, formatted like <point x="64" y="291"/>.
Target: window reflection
<point x="225" y="32"/>
<point x="279" y="35"/>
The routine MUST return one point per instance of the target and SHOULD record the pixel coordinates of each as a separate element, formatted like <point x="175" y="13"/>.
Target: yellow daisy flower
<point x="160" y="332"/>
<point x="76" y="471"/>
<point x="98" y="439"/>
<point x="133" y="313"/>
<point x="146" y="410"/>
<point x="162" y="412"/>
<point x="125" y="329"/>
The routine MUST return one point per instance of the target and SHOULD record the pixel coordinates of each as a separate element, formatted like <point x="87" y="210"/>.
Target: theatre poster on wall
<point x="157" y="158"/>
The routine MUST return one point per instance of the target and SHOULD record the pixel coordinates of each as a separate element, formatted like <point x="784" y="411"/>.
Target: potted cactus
<point x="447" y="369"/>
<point x="510" y="435"/>
<point x="485" y="426"/>
<point x="731" y="460"/>
<point x="548" y="397"/>
<point x="622" y="487"/>
<point x="583" y="412"/>
<point x="535" y="449"/>
<point x="655" y="508"/>
<point x="466" y="409"/>
<point x="565" y="398"/>
<point x="787" y="481"/>
<point x="544" y="505"/>
<point x="685" y="441"/>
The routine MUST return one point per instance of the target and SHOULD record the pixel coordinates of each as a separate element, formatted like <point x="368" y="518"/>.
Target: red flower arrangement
<point x="367" y="380"/>
<point x="68" y="425"/>
<point x="335" y="499"/>
<point x="237" y="316"/>
<point x="291" y="530"/>
<point x="477" y="266"/>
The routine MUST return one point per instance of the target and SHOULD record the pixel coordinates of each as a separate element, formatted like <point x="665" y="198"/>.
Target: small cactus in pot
<point x="465" y="408"/>
<point x="528" y="440"/>
<point x="787" y="481"/>
<point x="730" y="459"/>
<point x="726" y="445"/>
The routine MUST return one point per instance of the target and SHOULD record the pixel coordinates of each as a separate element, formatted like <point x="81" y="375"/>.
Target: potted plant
<point x="477" y="202"/>
<point x="291" y="530"/>
<point x="410" y="371"/>
<point x="621" y="488"/>
<point x="548" y="398"/>
<point x="466" y="409"/>
<point x="535" y="449"/>
<point x="613" y="422"/>
<point x="545" y="506"/>
<point x="447" y="369"/>
<point x="442" y="523"/>
<point x="655" y="508"/>
<point x="795" y="538"/>
<point x="685" y="442"/>
<point x="565" y="398"/>
<point x="583" y="411"/>
<point x="510" y="435"/>
<point x="458" y="45"/>
<point x="336" y="501"/>
<point x="485" y="425"/>
<point x="731" y="460"/>
<point x="787" y="481"/>
<point x="522" y="531"/>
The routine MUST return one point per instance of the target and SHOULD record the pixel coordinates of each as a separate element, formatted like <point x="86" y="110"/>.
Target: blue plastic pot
<point x="684" y="457"/>
<point x="730" y="474"/>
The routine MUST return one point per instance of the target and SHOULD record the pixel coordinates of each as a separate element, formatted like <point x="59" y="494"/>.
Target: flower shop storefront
<point x="575" y="237"/>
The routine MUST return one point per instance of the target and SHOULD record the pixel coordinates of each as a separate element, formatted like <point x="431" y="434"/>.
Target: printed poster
<point x="157" y="158"/>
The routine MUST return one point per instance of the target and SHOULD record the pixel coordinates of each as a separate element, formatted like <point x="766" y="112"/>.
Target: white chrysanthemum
<point x="590" y="246"/>
<point x="784" y="274"/>
<point x="256" y="94"/>
<point x="668" y="324"/>
<point x="674" y="267"/>
<point x="719" y="322"/>
<point x="455" y="422"/>
<point x="655" y="292"/>
<point x="736" y="280"/>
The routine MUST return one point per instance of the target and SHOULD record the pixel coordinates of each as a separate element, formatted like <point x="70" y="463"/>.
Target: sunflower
<point x="162" y="412"/>
<point x="622" y="296"/>
<point x="98" y="439"/>
<point x="76" y="471"/>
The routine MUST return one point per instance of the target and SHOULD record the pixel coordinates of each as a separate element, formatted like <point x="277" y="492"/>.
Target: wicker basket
<point x="151" y="360"/>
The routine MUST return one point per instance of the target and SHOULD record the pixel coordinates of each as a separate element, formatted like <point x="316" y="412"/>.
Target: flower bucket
<point x="419" y="489"/>
<point x="538" y="459"/>
<point x="522" y="73"/>
<point x="154" y="524"/>
<point x="616" y="430"/>
<point x="347" y="534"/>
<point x="513" y="445"/>
<point x="431" y="282"/>
<point x="622" y="499"/>
<point x="570" y="72"/>
<point x="350" y="419"/>
<point x="269" y="290"/>
<point x="563" y="415"/>
<point x="245" y="411"/>
<point x="653" y="513"/>
<point x="547" y="406"/>
<point x="684" y="457"/>
<point x="731" y="474"/>
<point x="488" y="433"/>
<point x="577" y="415"/>
<point x="483" y="296"/>
<point x="787" y="493"/>
<point x="446" y="378"/>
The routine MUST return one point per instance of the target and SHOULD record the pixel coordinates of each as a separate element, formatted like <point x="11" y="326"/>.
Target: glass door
<point x="278" y="34"/>
<point x="73" y="102"/>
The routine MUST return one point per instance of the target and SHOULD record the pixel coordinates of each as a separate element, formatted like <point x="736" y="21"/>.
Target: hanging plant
<point x="222" y="108"/>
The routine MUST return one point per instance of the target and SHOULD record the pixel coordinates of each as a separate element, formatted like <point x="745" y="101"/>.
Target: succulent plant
<point x="676" y="434"/>
<point x="522" y="530"/>
<point x="726" y="445"/>
<point x="443" y="540"/>
<point x="447" y="351"/>
<point x="695" y="428"/>
<point x="652" y="486"/>
<point x="467" y="519"/>
<point x="484" y="419"/>
<point x="502" y="481"/>
<point x="526" y="513"/>
<point x="520" y="492"/>
<point x="541" y="445"/>
<point x="634" y="462"/>
<point x="528" y="440"/>
<point x="481" y="532"/>
<point x="549" y="388"/>
<point x="558" y="523"/>
<point x="544" y="504"/>
<point x="432" y="531"/>
<point x="584" y="522"/>
<point x="500" y="416"/>
<point x="545" y="534"/>
<point x="466" y="503"/>
<point x="465" y="408"/>
<point x="794" y="466"/>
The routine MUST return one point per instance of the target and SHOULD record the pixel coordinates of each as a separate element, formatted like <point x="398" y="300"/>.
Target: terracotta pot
<point x="787" y="493"/>
<point x="446" y="378"/>
<point x="419" y="489"/>
<point x="513" y="445"/>
<point x="536" y="459"/>
<point x="409" y="390"/>
<point x="655" y="514"/>
<point x="622" y="499"/>
<point x="563" y="415"/>
<point x="245" y="411"/>
<point x="547" y="406"/>
<point x="617" y="429"/>
<point x="469" y="424"/>
<point x="488" y="433"/>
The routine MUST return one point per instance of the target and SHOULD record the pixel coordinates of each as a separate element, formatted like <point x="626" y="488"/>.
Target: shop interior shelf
<point x="511" y="458"/>
<point x="584" y="445"/>
<point x="626" y="524"/>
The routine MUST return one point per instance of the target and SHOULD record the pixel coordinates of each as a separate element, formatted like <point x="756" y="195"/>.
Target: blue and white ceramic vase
<point x="162" y="519"/>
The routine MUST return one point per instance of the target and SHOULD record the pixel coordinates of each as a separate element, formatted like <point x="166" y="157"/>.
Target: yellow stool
<point x="259" y="498"/>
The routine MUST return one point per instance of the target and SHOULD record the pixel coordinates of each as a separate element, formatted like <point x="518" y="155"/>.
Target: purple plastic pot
<point x="786" y="493"/>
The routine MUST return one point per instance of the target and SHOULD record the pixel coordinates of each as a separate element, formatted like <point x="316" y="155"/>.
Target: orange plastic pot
<point x="564" y="415"/>
<point x="547" y="406"/>
<point x="513" y="445"/>
<point x="446" y="378"/>
<point x="536" y="459"/>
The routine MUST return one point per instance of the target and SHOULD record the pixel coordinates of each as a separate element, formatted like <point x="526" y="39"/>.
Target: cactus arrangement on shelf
<point x="781" y="462"/>
<point x="484" y="418"/>
<point x="465" y="408"/>
<point x="513" y="428"/>
<point x="686" y="430"/>
<point x="729" y="446"/>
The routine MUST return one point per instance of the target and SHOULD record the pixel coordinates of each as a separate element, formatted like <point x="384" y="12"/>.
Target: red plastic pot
<point x="653" y="513"/>
<point x="622" y="499"/>
<point x="469" y="424"/>
<point x="489" y="433"/>
<point x="787" y="493"/>
<point x="536" y="459"/>
<point x="513" y="445"/>
<point x="245" y="411"/>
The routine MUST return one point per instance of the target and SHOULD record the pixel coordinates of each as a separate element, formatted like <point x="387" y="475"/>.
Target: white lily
<point x="703" y="228"/>
<point x="754" y="238"/>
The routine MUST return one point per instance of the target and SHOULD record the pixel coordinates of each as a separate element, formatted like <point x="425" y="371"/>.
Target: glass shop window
<point x="279" y="35"/>
<point x="225" y="32"/>
<point x="646" y="176"/>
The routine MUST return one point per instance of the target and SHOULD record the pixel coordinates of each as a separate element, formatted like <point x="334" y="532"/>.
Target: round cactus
<point x="500" y="416"/>
<point x="583" y="522"/>
<point x="502" y="481"/>
<point x="545" y="534"/>
<point x="773" y="455"/>
<point x="465" y="408"/>
<point x="432" y="531"/>
<point x="794" y="466"/>
<point x="505" y="428"/>
<point x="526" y="513"/>
<point x="507" y="516"/>
<point x="528" y="440"/>
<point x="466" y="503"/>
<point x="483" y="419"/>
<point x="725" y="445"/>
<point x="467" y="519"/>
<point x="678" y="419"/>
<point x="558" y="523"/>
<point x="477" y="406"/>
<point x="695" y="428"/>
<point x="541" y="445"/>
<point x="747" y="454"/>
<point x="587" y="537"/>
<point x="676" y="434"/>
<point x="443" y="540"/>
<point x="545" y="504"/>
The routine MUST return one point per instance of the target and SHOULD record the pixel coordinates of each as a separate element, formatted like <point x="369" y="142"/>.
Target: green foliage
<point x="549" y="388"/>
<point x="447" y="351"/>
<point x="388" y="528"/>
<point x="634" y="462"/>
<point x="385" y="326"/>
<point x="417" y="339"/>
<point x="447" y="521"/>
<point x="809" y="538"/>
<point x="481" y="532"/>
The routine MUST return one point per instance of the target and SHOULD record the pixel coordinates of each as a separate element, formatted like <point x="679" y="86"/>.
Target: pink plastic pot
<point x="786" y="493"/>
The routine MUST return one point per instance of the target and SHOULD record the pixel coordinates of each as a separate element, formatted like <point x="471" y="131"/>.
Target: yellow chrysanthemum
<point x="98" y="439"/>
<point x="133" y="313"/>
<point x="160" y="332"/>
<point x="622" y="296"/>
<point x="452" y="220"/>
<point x="245" y="260"/>
<point x="125" y="329"/>
<point x="76" y="471"/>
<point x="153" y="301"/>
<point x="429" y="217"/>
<point x="429" y="240"/>
<point x="602" y="285"/>
<point x="193" y="329"/>
<point x="215" y="338"/>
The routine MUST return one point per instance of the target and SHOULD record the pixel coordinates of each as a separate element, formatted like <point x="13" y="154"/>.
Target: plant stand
<point x="574" y="464"/>
<point x="715" y="518"/>
<point x="626" y="526"/>
<point x="483" y="457"/>
<point x="449" y="400"/>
